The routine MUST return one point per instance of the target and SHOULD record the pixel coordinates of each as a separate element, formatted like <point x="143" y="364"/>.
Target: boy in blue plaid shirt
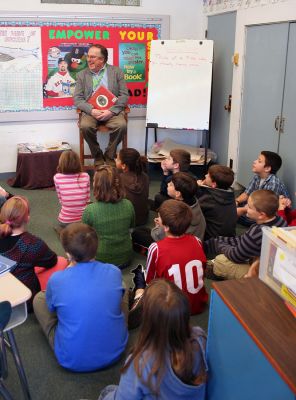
<point x="265" y="169"/>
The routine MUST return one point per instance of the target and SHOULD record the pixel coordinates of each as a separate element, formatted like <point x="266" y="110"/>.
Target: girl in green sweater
<point x="112" y="217"/>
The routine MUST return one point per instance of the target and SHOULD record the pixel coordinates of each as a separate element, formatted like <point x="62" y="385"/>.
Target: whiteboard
<point x="180" y="78"/>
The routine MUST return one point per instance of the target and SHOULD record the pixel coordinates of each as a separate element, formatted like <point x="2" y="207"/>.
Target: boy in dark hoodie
<point x="217" y="202"/>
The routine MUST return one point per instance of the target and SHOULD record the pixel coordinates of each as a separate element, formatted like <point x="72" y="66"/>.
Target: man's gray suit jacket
<point x="116" y="84"/>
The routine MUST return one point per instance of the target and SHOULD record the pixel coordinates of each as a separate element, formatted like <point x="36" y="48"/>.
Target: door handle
<point x="227" y="107"/>
<point x="282" y="125"/>
<point x="277" y="123"/>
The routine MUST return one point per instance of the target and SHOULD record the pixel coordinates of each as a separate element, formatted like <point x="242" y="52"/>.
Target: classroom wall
<point x="185" y="23"/>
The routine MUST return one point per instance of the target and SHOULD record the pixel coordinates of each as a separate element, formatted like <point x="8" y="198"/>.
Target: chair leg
<point x="4" y="392"/>
<point x="81" y="149"/>
<point x="124" y="141"/>
<point x="3" y="358"/>
<point x="3" y="369"/>
<point x="19" y="365"/>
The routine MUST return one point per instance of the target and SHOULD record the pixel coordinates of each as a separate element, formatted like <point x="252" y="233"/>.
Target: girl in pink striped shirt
<point x="72" y="187"/>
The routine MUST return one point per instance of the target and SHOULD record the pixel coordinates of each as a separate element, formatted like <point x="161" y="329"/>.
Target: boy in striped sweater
<point x="234" y="254"/>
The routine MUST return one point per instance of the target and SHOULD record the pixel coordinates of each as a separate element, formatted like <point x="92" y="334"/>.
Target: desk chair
<point x="101" y="129"/>
<point x="5" y="314"/>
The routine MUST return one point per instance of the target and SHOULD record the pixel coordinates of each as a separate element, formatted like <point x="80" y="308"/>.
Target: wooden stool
<point x="101" y="129"/>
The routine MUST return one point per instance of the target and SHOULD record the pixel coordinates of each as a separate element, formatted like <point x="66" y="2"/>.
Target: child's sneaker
<point x="139" y="277"/>
<point x="135" y="313"/>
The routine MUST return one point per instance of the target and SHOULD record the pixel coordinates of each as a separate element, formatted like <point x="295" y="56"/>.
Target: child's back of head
<point x="69" y="163"/>
<point x="265" y="201"/>
<point x="186" y="185"/>
<point x="182" y="157"/>
<point x="80" y="241"/>
<point x="107" y="186"/>
<point x="164" y="301"/>
<point x="221" y="175"/>
<point x="272" y="160"/>
<point x="14" y="214"/>
<point x="176" y="216"/>
<point x="131" y="158"/>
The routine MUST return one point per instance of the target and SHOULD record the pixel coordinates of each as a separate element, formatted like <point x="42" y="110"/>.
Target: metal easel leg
<point x="146" y="140"/>
<point x="206" y="152"/>
<point x="154" y="126"/>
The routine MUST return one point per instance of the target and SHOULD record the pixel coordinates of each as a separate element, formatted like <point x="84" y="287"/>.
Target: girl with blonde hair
<point x="25" y="249"/>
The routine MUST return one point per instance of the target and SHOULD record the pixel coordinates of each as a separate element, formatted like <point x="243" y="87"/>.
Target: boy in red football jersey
<point x="179" y="257"/>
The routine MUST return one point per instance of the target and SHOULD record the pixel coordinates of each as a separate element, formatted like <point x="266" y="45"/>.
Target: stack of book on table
<point x="39" y="148"/>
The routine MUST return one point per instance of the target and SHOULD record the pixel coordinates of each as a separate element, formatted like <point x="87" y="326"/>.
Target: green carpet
<point x="47" y="380"/>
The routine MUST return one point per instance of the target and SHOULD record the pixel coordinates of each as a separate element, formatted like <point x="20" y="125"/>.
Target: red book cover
<point x="102" y="99"/>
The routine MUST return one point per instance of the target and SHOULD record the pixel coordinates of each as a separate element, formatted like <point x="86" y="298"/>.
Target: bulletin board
<point x="32" y="48"/>
<point x="180" y="79"/>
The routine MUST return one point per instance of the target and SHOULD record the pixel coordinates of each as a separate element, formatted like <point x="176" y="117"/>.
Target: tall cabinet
<point x="268" y="120"/>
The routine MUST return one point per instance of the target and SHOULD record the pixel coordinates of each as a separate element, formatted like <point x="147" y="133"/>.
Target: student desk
<point x="17" y="294"/>
<point x="251" y="348"/>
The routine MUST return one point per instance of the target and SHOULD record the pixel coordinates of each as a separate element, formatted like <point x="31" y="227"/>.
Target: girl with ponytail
<point x="135" y="181"/>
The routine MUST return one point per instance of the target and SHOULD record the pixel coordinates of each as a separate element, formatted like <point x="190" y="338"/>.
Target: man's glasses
<point x="94" y="57"/>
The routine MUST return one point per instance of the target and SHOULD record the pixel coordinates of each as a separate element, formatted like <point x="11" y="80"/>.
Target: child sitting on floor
<point x="21" y="246"/>
<point x="182" y="187"/>
<point x="4" y="195"/>
<point x="286" y="212"/>
<point x="80" y="313"/>
<point x="179" y="160"/>
<point x="216" y="200"/>
<point x="168" y="359"/>
<point x="179" y="257"/>
<point x="112" y="216"/>
<point x="135" y="181"/>
<point x="234" y="254"/>
<point x="72" y="187"/>
<point x="265" y="169"/>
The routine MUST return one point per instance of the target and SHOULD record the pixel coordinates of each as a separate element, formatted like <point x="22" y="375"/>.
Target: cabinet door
<point x="287" y="148"/>
<point x="221" y="29"/>
<point x="264" y="74"/>
<point x="238" y="370"/>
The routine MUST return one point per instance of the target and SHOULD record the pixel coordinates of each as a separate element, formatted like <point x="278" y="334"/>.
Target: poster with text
<point x="64" y="51"/>
<point x="40" y="60"/>
<point x="20" y="68"/>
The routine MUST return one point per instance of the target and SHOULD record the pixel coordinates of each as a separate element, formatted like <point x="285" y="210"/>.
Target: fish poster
<point x="39" y="64"/>
<point x="20" y="68"/>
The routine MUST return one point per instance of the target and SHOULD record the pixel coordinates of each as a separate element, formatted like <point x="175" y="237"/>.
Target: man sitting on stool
<point x="100" y="73"/>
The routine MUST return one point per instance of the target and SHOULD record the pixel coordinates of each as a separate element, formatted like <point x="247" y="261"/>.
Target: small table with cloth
<point x="36" y="166"/>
